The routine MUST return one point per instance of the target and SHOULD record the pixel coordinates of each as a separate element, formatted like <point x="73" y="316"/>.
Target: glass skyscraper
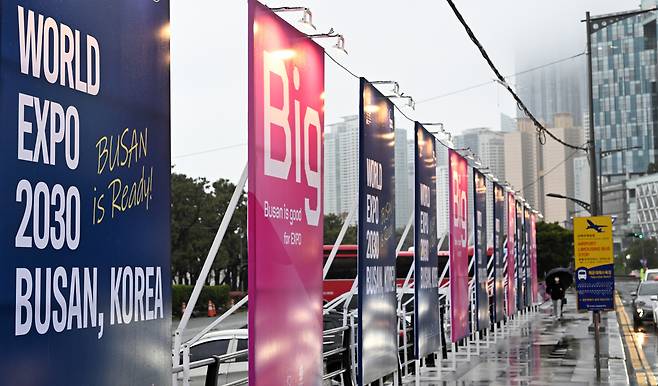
<point x="624" y="94"/>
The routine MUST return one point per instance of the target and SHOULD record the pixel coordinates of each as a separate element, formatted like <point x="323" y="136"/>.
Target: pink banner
<point x="533" y="257"/>
<point x="285" y="215"/>
<point x="458" y="191"/>
<point x="511" y="254"/>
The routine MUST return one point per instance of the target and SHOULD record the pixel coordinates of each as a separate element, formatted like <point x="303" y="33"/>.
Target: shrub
<point x="181" y="293"/>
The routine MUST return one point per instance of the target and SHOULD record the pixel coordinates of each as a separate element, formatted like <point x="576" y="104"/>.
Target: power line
<point x="552" y="169"/>
<point x="394" y="105"/>
<point x="506" y="77"/>
<point x="210" y="150"/>
<point x="541" y="130"/>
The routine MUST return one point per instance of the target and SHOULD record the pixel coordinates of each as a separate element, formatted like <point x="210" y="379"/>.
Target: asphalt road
<point x="196" y="325"/>
<point x="646" y="337"/>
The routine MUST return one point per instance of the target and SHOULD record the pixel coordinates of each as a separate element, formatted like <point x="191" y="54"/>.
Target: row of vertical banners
<point x="285" y="219"/>
<point x="85" y="283"/>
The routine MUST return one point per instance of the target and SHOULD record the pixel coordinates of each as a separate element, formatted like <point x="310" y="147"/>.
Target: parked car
<point x="220" y="343"/>
<point x="644" y="302"/>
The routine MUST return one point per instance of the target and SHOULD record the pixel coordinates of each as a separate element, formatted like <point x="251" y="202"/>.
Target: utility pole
<point x="594" y="183"/>
<point x="593" y="178"/>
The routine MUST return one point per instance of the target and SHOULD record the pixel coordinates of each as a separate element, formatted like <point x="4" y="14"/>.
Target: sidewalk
<point x="538" y="350"/>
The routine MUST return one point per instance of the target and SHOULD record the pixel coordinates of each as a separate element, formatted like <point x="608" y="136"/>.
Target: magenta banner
<point x="458" y="197"/>
<point x="511" y="254"/>
<point x="286" y="120"/>
<point x="533" y="257"/>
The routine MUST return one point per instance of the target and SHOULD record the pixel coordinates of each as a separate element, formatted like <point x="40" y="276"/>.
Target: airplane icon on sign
<point x="598" y="228"/>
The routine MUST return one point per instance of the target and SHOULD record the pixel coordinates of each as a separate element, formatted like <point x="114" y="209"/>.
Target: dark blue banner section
<point x="481" y="258"/>
<point x="595" y="287"/>
<point x="426" y="268"/>
<point x="378" y="335"/>
<point x="520" y="257"/>
<point x="498" y="251"/>
<point x="85" y="286"/>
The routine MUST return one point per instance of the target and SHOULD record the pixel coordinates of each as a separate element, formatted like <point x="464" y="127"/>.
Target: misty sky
<point x="420" y="44"/>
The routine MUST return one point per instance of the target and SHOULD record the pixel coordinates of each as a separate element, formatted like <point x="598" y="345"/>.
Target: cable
<point x="506" y="77"/>
<point x="394" y="105"/>
<point x="209" y="150"/>
<point x="541" y="130"/>
<point x="552" y="169"/>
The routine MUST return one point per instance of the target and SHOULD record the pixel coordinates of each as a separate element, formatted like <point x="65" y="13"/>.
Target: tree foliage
<point x="197" y="208"/>
<point x="554" y="247"/>
<point x="332" y="225"/>
<point x="640" y="249"/>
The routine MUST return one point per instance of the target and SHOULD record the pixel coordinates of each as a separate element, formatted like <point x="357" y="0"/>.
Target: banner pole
<point x="339" y="239"/>
<point x="210" y="258"/>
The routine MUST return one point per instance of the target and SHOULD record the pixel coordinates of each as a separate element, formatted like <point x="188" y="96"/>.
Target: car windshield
<point x="651" y="276"/>
<point x="648" y="288"/>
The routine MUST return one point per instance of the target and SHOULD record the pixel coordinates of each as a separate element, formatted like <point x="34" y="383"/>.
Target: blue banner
<point x="480" y="250"/>
<point x="378" y="335"/>
<point x="85" y="286"/>
<point x="426" y="267"/>
<point x="498" y="251"/>
<point x="520" y="268"/>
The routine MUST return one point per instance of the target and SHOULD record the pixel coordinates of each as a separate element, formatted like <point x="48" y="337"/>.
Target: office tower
<point x="488" y="145"/>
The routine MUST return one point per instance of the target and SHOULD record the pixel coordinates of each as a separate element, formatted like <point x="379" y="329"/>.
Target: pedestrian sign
<point x="594" y="266"/>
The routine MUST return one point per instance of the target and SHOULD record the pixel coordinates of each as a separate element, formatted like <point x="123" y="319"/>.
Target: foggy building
<point x="554" y="89"/>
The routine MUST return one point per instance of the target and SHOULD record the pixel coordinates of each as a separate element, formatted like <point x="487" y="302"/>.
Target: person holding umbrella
<point x="557" y="282"/>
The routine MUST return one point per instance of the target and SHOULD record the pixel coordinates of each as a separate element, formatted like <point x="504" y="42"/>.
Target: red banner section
<point x="511" y="254"/>
<point x="458" y="192"/>
<point x="285" y="216"/>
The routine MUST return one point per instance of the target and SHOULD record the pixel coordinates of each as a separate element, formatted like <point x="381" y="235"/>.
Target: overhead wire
<point x="552" y="169"/>
<point x="506" y="77"/>
<point x="541" y="130"/>
<point x="209" y="150"/>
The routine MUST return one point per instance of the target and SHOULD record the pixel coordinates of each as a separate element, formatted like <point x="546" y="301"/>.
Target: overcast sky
<point x="420" y="44"/>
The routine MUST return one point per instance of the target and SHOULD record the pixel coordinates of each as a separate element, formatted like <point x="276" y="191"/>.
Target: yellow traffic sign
<point x="594" y="262"/>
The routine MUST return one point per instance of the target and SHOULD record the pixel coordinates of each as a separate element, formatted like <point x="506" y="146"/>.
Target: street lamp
<point x="581" y="203"/>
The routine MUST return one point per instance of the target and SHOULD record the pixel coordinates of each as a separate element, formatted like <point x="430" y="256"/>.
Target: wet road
<point x="645" y="339"/>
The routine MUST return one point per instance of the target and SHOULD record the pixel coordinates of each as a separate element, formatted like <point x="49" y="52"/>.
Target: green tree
<point x="640" y="249"/>
<point x="652" y="168"/>
<point x="332" y="225"/>
<point x="197" y="208"/>
<point x="554" y="247"/>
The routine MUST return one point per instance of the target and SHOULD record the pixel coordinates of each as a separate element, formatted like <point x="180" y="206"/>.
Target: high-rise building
<point x="581" y="184"/>
<point x="521" y="161"/>
<point x="507" y="123"/>
<point x="341" y="170"/>
<point x="404" y="198"/>
<point x="556" y="172"/>
<point x="489" y="145"/>
<point x="625" y="94"/>
<point x="624" y="55"/>
<point x="554" y="89"/>
<point x="341" y="165"/>
<point x="442" y="193"/>
<point x="536" y="169"/>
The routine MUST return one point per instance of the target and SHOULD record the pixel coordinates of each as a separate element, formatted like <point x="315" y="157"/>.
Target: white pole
<point x="339" y="239"/>
<point x="210" y="258"/>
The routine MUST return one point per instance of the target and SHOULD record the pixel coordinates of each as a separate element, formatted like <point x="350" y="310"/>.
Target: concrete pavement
<point x="538" y="350"/>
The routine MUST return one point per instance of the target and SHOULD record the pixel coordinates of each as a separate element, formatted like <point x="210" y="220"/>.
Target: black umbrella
<point x="566" y="278"/>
